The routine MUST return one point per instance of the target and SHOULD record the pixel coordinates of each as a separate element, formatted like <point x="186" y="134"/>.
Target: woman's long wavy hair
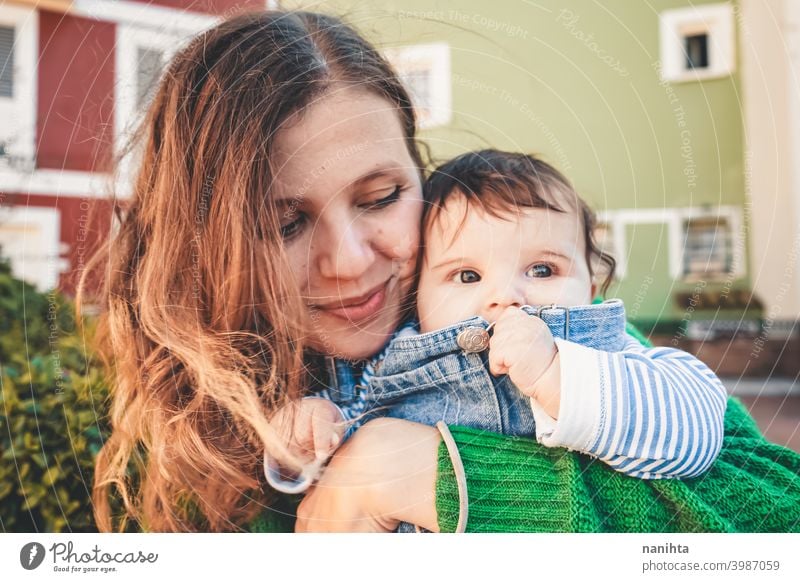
<point x="202" y="327"/>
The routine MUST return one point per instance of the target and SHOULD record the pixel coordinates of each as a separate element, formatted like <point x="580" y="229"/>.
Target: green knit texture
<point x="279" y="518"/>
<point x="518" y="485"/>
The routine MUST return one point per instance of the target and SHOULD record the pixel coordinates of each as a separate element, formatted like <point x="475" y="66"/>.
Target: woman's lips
<point x="372" y="305"/>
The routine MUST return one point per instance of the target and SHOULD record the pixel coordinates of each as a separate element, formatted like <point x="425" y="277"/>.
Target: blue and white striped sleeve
<point x="650" y="413"/>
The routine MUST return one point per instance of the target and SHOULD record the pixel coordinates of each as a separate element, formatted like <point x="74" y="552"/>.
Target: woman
<point x="274" y="226"/>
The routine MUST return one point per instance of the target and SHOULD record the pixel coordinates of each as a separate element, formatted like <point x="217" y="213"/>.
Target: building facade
<point x="74" y="78"/>
<point x="679" y="121"/>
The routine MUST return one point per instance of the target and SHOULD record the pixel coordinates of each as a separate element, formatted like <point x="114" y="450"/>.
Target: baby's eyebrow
<point x="556" y="254"/>
<point x="447" y="262"/>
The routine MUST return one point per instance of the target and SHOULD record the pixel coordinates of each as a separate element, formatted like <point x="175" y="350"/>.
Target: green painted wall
<point x="580" y="87"/>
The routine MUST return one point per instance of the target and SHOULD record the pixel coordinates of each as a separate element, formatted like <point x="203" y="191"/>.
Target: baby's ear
<point x="593" y="292"/>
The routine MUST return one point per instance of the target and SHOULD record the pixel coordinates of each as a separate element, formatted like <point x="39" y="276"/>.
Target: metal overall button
<point x="474" y="339"/>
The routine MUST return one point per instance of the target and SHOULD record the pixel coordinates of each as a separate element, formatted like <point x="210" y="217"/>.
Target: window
<point x="708" y="247"/>
<point x="18" y="54"/>
<point x="150" y="63"/>
<point x="142" y="53"/>
<point x="6" y="61"/>
<point x="425" y="72"/>
<point x="697" y="42"/>
<point x="697" y="51"/>
<point x="702" y="242"/>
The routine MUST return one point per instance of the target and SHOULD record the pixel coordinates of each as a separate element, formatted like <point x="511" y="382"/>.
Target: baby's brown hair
<point x="500" y="183"/>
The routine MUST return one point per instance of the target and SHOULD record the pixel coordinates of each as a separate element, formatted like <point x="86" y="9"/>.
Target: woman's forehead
<point x="345" y="137"/>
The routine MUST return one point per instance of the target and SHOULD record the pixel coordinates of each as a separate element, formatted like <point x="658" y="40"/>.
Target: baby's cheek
<point x="440" y="308"/>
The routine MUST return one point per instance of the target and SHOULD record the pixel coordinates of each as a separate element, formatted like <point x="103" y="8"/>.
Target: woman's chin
<point x="355" y="341"/>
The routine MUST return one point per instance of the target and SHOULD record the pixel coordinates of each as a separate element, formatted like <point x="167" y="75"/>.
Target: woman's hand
<point x="385" y="474"/>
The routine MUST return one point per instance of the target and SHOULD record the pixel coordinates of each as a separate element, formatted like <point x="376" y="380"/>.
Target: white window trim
<point x="675" y="219"/>
<point x="438" y="55"/>
<point x="714" y="19"/>
<point x="25" y="21"/>
<point x="49" y="222"/>
<point x="65" y="183"/>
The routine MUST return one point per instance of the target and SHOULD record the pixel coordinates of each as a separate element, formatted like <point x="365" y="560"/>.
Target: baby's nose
<point x="501" y="299"/>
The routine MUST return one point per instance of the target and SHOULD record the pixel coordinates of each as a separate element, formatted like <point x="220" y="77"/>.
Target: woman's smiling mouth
<point x="358" y="308"/>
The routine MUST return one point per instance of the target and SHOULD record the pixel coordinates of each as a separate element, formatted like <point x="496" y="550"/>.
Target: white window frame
<point x="675" y="220"/>
<point x="22" y="106"/>
<point x="436" y="56"/>
<point x="715" y="20"/>
<point x="49" y="222"/>
<point x="130" y="37"/>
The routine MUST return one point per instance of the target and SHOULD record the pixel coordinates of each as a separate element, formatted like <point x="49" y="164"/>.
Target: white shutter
<point x="6" y="61"/>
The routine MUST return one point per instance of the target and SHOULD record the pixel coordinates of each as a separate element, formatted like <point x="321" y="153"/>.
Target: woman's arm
<point x="384" y="474"/>
<point x="389" y="473"/>
<point x="517" y="485"/>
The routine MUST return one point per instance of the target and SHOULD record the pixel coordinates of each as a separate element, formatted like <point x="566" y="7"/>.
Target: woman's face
<point x="350" y="201"/>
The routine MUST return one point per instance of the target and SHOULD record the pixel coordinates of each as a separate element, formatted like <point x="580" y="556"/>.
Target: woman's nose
<point x="346" y="255"/>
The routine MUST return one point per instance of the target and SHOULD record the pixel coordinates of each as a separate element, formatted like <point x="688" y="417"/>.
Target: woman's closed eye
<point x="292" y="229"/>
<point x="394" y="196"/>
<point x="540" y="271"/>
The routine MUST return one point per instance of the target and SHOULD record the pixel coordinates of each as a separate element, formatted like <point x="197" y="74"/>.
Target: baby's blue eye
<point x="468" y="276"/>
<point x="540" y="271"/>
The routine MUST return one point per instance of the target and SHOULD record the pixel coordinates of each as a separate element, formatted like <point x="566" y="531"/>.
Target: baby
<point x="506" y="337"/>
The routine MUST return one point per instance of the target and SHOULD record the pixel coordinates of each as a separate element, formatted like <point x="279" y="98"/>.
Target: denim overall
<point x="444" y="374"/>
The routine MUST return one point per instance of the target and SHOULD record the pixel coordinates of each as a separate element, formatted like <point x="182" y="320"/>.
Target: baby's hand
<point x="312" y="428"/>
<point x="522" y="347"/>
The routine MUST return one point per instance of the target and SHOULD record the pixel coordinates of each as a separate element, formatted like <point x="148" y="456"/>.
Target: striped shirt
<point x="650" y="413"/>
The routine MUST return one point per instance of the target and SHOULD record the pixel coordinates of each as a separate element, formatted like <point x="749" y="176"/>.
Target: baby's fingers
<point x="327" y="433"/>
<point x="498" y="362"/>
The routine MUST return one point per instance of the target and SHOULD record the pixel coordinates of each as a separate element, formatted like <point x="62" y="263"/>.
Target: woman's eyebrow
<point x="289" y="201"/>
<point x="381" y="172"/>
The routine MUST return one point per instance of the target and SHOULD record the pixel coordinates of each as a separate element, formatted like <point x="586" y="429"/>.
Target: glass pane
<point x="697" y="51"/>
<point x="148" y="68"/>
<point x="6" y="61"/>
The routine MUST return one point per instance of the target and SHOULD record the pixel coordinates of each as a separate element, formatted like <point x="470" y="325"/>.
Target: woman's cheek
<point x="299" y="266"/>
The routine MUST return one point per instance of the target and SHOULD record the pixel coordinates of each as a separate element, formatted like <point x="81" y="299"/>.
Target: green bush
<point x="52" y="412"/>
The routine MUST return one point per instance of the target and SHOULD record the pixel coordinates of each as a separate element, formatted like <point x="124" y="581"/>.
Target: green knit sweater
<point x="518" y="485"/>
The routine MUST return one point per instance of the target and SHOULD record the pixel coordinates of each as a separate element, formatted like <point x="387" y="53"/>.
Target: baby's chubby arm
<point x="647" y="412"/>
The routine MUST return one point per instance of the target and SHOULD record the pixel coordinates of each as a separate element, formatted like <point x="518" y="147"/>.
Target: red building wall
<point x="75" y="109"/>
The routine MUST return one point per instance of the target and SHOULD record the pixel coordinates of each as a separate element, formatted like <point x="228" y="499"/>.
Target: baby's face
<point x="536" y="257"/>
